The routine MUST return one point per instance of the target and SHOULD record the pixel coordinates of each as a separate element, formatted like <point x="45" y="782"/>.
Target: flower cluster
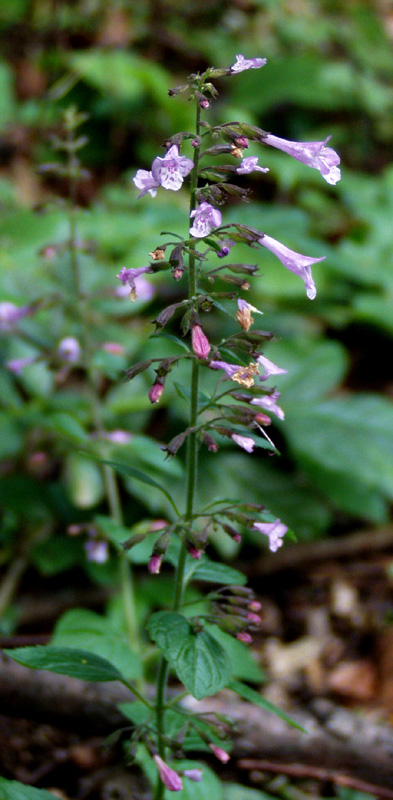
<point x="168" y="172"/>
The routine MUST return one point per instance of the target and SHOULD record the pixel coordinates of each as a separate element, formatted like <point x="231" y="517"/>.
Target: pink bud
<point x="113" y="347"/>
<point x="194" y="552"/>
<point x="204" y="103"/>
<point x="168" y="776"/>
<point x="154" y="564"/>
<point x="237" y="537"/>
<point x="262" y="419"/>
<point x="254" y="618"/>
<point x="244" y="637"/>
<point x="255" y="605"/>
<point x="242" y="141"/>
<point x="177" y="273"/>
<point x="219" y="753"/>
<point x="156" y="392"/>
<point x="200" y="342"/>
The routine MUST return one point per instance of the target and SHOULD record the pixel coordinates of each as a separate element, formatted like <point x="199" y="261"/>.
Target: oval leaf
<point x="13" y="790"/>
<point x="66" y="661"/>
<point x="197" y="658"/>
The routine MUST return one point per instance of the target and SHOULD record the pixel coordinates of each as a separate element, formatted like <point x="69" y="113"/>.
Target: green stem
<point x="192" y="470"/>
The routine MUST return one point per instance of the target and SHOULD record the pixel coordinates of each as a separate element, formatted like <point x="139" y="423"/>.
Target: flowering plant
<point x="238" y="410"/>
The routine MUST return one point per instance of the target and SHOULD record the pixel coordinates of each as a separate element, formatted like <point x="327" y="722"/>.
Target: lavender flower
<point x="97" y="550"/>
<point x="269" y="402"/>
<point x="168" y="776"/>
<point x="295" y="262"/>
<point x="205" y="218"/>
<point x="250" y="164"/>
<point x="246" y="442"/>
<point x="128" y="277"/>
<point x="170" y="171"/>
<point x="17" y="365"/>
<point x="193" y="774"/>
<point x="274" y="531"/>
<point x="118" y="436"/>
<point x="10" y="314"/>
<point x="242" y="64"/>
<point x="270" y="367"/>
<point x="200" y="342"/>
<point x="144" y="180"/>
<point x="69" y="349"/>
<point x="314" y="154"/>
<point x="242" y="375"/>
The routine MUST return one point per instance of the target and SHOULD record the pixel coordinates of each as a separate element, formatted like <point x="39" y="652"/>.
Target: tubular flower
<point x="170" y="171"/>
<point x="168" y="776"/>
<point x="269" y="402"/>
<point x="241" y="64"/>
<point x="242" y="375"/>
<point x="244" y="441"/>
<point x="200" y="342"/>
<point x="295" y="262"/>
<point x="314" y="154"/>
<point x="269" y="368"/>
<point x="250" y="164"/>
<point x="274" y="531"/>
<point x="205" y="218"/>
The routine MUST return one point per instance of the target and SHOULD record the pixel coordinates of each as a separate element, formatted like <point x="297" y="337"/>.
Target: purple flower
<point x="97" y="550"/>
<point x="200" y="342"/>
<point x="205" y="218"/>
<point x="295" y="262"/>
<point x="244" y="441"/>
<point x="144" y="180"/>
<point x="10" y="314"/>
<point x="242" y="64"/>
<point x="274" y="531"/>
<point x="118" y="437"/>
<point x="168" y="776"/>
<point x="314" y="154"/>
<point x="128" y="277"/>
<point x="269" y="402"/>
<point x="193" y="774"/>
<point x="270" y="367"/>
<point x="69" y="349"/>
<point x="250" y="164"/>
<point x="226" y="245"/>
<point x="170" y="171"/>
<point x="17" y="365"/>
<point x="242" y="375"/>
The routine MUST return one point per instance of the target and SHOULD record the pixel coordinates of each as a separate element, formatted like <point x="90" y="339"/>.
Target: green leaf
<point x="197" y="658"/>
<point x="243" y="665"/>
<point x="66" y="661"/>
<point x="258" y="700"/>
<point x="124" y="469"/>
<point x="80" y="628"/>
<point x="69" y="426"/>
<point x="213" y="572"/>
<point x="234" y="791"/>
<point x="13" y="790"/>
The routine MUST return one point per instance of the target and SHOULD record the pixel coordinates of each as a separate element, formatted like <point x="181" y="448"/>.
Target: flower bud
<point x="194" y="551"/>
<point x="254" y="618"/>
<point x="168" y="776"/>
<point x="200" y="342"/>
<point x="156" y="391"/>
<point x="262" y="419"/>
<point x="154" y="565"/>
<point x="219" y="753"/>
<point x="177" y="273"/>
<point x="242" y="142"/>
<point x="255" y="605"/>
<point x="244" y="637"/>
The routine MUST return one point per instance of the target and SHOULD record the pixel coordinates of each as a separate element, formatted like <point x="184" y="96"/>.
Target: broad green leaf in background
<point x="66" y="661"/>
<point x="124" y="469"/>
<point x="197" y="658"/>
<point x="235" y="791"/>
<point x="83" y="629"/>
<point x="13" y="790"/>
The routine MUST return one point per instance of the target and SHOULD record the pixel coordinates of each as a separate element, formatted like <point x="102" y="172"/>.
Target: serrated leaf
<point x="66" y="661"/>
<point x="197" y="658"/>
<point x="13" y="790"/>
<point x="258" y="700"/>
